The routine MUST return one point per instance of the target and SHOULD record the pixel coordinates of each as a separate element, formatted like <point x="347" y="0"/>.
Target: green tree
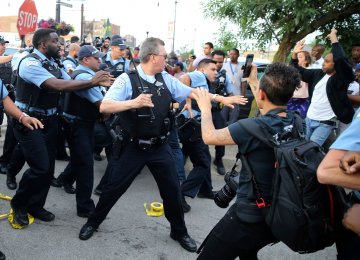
<point x="285" y="21"/>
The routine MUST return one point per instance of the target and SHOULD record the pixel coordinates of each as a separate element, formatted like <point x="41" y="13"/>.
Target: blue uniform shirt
<point x="349" y="140"/>
<point x="198" y="79"/>
<point x="122" y="90"/>
<point x="113" y="62"/>
<point x="93" y="94"/>
<point x="70" y="63"/>
<point x="18" y="56"/>
<point x="5" y="93"/>
<point x="31" y="71"/>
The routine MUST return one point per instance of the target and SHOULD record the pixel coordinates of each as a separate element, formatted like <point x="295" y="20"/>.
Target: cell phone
<point x="247" y="66"/>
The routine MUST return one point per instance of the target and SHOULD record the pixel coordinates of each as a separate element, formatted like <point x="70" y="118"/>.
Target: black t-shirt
<point x="261" y="159"/>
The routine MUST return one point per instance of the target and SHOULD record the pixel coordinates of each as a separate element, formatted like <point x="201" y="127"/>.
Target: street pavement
<point x="127" y="232"/>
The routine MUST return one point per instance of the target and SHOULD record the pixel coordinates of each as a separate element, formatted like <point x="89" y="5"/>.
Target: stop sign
<point x="27" y="17"/>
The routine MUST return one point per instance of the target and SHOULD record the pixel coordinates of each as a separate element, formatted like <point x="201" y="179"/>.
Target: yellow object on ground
<point x="156" y="209"/>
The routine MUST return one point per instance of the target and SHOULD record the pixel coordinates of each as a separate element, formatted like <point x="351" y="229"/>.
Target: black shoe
<point x="185" y="241"/>
<point x="210" y="195"/>
<point x="86" y="232"/>
<point x="55" y="182"/>
<point x="65" y="158"/>
<point x="11" y="182"/>
<point x="20" y="215"/>
<point x="68" y="188"/>
<point x="97" y="157"/>
<point x="84" y="214"/>
<point x="219" y="167"/>
<point x="3" y="168"/>
<point x="97" y="191"/>
<point x="43" y="215"/>
<point x="186" y="207"/>
<point x="2" y="256"/>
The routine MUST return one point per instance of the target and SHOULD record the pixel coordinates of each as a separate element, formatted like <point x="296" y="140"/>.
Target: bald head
<point x="28" y="39"/>
<point x="73" y="50"/>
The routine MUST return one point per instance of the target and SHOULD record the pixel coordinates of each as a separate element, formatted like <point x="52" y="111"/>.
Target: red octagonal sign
<point x="27" y="17"/>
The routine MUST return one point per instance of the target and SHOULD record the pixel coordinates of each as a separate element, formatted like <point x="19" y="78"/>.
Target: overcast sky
<point x="136" y="18"/>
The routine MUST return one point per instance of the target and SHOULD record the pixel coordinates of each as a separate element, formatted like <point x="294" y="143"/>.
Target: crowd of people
<point x="146" y="108"/>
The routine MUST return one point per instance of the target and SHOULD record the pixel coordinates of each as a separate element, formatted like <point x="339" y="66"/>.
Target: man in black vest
<point x="37" y="91"/>
<point x="143" y="100"/>
<point x="81" y="110"/>
<point x="221" y="86"/>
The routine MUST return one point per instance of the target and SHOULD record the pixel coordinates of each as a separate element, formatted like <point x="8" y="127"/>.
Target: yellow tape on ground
<point x="10" y="216"/>
<point x="156" y="209"/>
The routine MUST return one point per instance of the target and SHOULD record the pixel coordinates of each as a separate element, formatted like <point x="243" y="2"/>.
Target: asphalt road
<point x="127" y="233"/>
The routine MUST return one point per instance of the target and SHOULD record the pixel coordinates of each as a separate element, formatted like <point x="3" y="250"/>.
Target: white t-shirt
<point x="317" y="64"/>
<point x="234" y="73"/>
<point x="320" y="108"/>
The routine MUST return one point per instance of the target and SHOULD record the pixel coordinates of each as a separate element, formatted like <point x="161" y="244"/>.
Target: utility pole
<point x="57" y="10"/>
<point x="147" y="34"/>
<point x="82" y="21"/>
<point x="173" y="41"/>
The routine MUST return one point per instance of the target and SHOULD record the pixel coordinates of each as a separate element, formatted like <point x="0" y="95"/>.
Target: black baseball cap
<point x="2" y="40"/>
<point x="118" y="42"/>
<point x="90" y="51"/>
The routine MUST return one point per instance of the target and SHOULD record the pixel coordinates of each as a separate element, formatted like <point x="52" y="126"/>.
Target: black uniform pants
<point x="219" y="123"/>
<point x="81" y="165"/>
<point x="39" y="147"/>
<point x="9" y="142"/>
<point x="17" y="161"/>
<point x="122" y="173"/>
<point x="232" y="238"/>
<point x="199" y="178"/>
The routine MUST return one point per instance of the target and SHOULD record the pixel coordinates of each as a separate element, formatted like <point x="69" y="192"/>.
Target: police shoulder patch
<point x="29" y="63"/>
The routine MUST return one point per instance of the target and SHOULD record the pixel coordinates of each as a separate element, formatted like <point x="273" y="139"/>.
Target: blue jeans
<point x="316" y="131"/>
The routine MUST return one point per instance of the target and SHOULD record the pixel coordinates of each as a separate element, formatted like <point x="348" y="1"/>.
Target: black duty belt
<point x="145" y="144"/>
<point x="328" y="122"/>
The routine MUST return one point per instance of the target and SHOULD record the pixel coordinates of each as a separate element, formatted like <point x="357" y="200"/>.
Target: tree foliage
<point x="284" y="21"/>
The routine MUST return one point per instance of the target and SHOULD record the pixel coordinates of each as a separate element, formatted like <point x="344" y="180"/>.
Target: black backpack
<point x="301" y="212"/>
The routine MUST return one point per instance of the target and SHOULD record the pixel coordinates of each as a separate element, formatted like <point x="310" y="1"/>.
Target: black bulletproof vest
<point x="219" y="85"/>
<point x="78" y="106"/>
<point x="116" y="69"/>
<point x="137" y="121"/>
<point x="6" y="72"/>
<point x="34" y="96"/>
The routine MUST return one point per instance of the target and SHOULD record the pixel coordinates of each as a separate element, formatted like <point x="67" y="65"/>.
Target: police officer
<point x="199" y="179"/>
<point x="17" y="160"/>
<point x="114" y="61"/>
<point x="81" y="110"/>
<point x="221" y="86"/>
<point x="144" y="138"/>
<point x="71" y="62"/>
<point x="5" y="76"/>
<point x="37" y="91"/>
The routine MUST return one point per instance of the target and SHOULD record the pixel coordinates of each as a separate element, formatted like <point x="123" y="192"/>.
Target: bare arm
<point x="4" y="59"/>
<point x="355" y="100"/>
<point x="329" y="171"/>
<point x="101" y="78"/>
<point x="210" y="135"/>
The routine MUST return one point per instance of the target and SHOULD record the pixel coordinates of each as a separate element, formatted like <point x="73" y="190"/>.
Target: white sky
<point x="135" y="17"/>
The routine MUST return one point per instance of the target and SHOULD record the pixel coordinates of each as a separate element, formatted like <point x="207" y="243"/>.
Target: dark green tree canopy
<point x="285" y="21"/>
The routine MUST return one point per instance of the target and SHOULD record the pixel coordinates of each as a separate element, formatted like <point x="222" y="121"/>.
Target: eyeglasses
<point x="163" y="55"/>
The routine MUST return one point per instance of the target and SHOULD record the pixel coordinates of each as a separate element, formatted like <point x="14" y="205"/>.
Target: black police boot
<point x="2" y="256"/>
<point x="185" y="241"/>
<point x="55" y="182"/>
<point x="11" y="182"/>
<point x="20" y="214"/>
<point x="219" y="166"/>
<point x="97" y="157"/>
<point x="186" y="207"/>
<point x="3" y="168"/>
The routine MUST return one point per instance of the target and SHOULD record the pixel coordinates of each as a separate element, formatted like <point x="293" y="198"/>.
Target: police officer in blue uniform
<point x="81" y="110"/>
<point x="30" y="122"/>
<point x="39" y="82"/>
<point x="221" y="86"/>
<point x="199" y="179"/>
<point x="143" y="101"/>
<point x="114" y="61"/>
<point x="71" y="61"/>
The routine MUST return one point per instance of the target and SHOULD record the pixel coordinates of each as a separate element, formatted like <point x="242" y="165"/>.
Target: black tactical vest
<point x="34" y="96"/>
<point x="78" y="106"/>
<point x="117" y="69"/>
<point x="137" y="122"/>
<point x="219" y="85"/>
<point x="6" y="72"/>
